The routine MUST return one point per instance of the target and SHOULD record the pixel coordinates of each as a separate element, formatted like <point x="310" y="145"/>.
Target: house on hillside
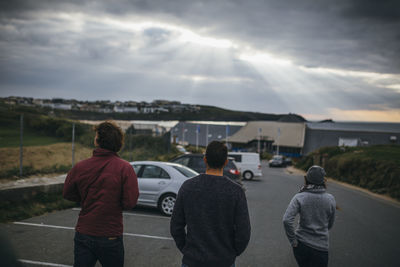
<point x="271" y="136"/>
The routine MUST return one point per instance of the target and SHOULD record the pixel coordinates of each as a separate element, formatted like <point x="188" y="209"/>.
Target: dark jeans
<point x="184" y="265"/>
<point x="109" y="251"/>
<point x="310" y="257"/>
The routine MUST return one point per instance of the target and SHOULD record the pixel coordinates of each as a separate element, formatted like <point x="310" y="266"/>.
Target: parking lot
<point x="357" y="237"/>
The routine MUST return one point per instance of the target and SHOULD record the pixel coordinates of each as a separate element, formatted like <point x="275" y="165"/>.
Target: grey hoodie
<point x="317" y="214"/>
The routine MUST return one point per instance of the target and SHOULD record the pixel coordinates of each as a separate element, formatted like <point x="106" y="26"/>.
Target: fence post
<point x="73" y="144"/>
<point x="130" y="144"/>
<point x="21" y="144"/>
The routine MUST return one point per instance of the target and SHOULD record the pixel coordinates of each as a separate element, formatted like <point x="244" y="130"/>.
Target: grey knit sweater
<point x="317" y="214"/>
<point x="210" y="223"/>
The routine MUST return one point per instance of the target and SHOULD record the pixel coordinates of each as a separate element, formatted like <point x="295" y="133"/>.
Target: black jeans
<point x="310" y="257"/>
<point x="109" y="251"/>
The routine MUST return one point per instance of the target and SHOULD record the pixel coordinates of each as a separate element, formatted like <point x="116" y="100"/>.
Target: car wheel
<point x="166" y="204"/>
<point x="247" y="175"/>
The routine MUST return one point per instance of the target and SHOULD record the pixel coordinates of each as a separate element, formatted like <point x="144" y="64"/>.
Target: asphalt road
<point x="366" y="231"/>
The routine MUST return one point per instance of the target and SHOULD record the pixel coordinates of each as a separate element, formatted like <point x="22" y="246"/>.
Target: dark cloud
<point x="42" y="53"/>
<point x="340" y="34"/>
<point x="381" y="11"/>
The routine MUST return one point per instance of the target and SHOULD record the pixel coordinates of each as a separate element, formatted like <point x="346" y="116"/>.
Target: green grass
<point x="42" y="203"/>
<point x="10" y="137"/>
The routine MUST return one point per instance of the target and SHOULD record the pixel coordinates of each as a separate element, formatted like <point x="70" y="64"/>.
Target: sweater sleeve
<point x="178" y="221"/>
<point x="70" y="190"/>
<point x="288" y="220"/>
<point x="242" y="224"/>
<point x="333" y="214"/>
<point x="130" y="189"/>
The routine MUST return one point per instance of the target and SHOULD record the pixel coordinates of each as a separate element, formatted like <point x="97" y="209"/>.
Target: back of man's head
<point x="109" y="136"/>
<point x="216" y="155"/>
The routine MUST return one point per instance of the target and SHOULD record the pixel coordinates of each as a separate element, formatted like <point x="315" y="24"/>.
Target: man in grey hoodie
<point x="310" y="241"/>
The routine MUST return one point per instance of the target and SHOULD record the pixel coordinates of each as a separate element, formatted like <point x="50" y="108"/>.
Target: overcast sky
<point x="321" y="59"/>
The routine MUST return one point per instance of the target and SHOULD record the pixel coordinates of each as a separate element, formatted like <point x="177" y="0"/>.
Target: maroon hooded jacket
<point x="104" y="185"/>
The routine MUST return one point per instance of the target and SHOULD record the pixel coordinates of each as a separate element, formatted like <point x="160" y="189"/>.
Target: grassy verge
<point x="11" y="138"/>
<point x="40" y="204"/>
<point x="55" y="158"/>
<point x="376" y="168"/>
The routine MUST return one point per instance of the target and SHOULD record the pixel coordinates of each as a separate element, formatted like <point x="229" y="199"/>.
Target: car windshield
<point x="185" y="171"/>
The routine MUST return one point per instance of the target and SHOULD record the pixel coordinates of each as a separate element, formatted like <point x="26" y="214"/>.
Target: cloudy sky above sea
<point x="321" y="59"/>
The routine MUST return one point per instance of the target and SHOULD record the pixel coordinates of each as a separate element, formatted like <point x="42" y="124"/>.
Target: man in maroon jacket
<point x="104" y="185"/>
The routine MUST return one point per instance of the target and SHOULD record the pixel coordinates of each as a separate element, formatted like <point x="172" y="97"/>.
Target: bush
<point x="375" y="168"/>
<point x="266" y="156"/>
<point x="145" y="147"/>
<point x="305" y="163"/>
<point x="60" y="128"/>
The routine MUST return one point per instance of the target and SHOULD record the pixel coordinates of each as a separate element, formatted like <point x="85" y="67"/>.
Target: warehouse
<point x="286" y="138"/>
<point x="323" y="134"/>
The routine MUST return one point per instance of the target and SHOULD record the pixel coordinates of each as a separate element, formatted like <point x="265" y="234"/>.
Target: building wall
<point x="316" y="139"/>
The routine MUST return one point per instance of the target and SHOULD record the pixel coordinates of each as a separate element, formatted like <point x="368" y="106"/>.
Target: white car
<point x="248" y="163"/>
<point x="159" y="183"/>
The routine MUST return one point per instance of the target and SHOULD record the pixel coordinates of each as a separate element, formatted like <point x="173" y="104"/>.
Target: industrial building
<point x="323" y="134"/>
<point x="285" y="138"/>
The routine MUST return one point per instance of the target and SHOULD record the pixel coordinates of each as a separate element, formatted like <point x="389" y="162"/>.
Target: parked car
<point x="248" y="163"/>
<point x="159" y="183"/>
<point x="196" y="162"/>
<point x="181" y="149"/>
<point x="277" y="161"/>
<point x="288" y="161"/>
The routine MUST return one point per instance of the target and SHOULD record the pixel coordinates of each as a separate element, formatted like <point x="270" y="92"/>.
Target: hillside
<point x="205" y="113"/>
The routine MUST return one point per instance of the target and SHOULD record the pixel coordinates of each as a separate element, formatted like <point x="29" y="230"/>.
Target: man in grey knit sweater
<point x="214" y="211"/>
<point x="310" y="241"/>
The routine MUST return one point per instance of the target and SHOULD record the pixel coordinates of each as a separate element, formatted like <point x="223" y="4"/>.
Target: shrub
<point x="375" y="168"/>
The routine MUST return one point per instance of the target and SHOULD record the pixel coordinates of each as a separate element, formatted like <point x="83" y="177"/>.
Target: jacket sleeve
<point x="130" y="188"/>
<point x="333" y="214"/>
<point x="288" y="220"/>
<point x="178" y="221"/>
<point x="70" y="190"/>
<point x="242" y="224"/>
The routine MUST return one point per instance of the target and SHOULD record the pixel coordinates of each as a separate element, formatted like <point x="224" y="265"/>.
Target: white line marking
<point x="149" y="236"/>
<point x="44" y="225"/>
<point x="137" y="214"/>
<point x="144" y="215"/>
<point x="72" y="228"/>
<point x="43" y="263"/>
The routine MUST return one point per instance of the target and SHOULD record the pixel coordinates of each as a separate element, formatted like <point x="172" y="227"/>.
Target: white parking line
<point x="40" y="263"/>
<point x="136" y="214"/>
<point x="72" y="228"/>
<point x="44" y="225"/>
<point x="149" y="236"/>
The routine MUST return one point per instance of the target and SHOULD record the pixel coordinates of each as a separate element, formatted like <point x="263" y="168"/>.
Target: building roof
<point x="355" y="126"/>
<point x="291" y="134"/>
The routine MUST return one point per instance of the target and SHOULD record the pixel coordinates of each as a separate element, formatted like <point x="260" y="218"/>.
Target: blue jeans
<point x="184" y="265"/>
<point x="109" y="251"/>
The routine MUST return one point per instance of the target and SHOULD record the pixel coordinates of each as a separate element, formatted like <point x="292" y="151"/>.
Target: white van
<point x="248" y="163"/>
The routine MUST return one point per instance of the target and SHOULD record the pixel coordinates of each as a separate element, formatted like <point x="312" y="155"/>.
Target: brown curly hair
<point x="109" y="136"/>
